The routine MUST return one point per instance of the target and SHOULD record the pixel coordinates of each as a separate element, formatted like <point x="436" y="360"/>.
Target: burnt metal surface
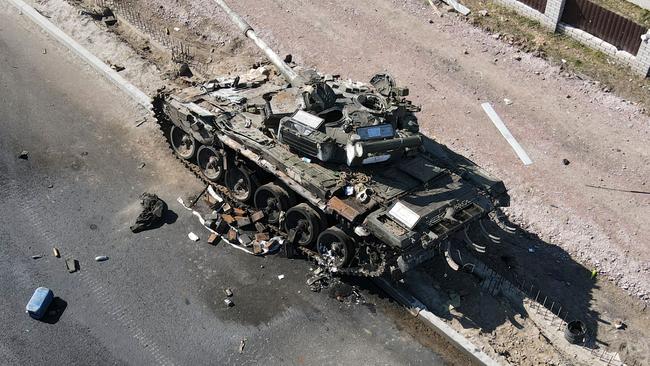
<point x="387" y="197"/>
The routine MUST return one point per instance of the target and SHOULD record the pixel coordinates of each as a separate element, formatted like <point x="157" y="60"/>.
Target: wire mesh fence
<point x="180" y="51"/>
<point x="550" y="310"/>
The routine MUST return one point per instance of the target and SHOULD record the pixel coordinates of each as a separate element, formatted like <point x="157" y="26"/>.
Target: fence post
<point x="553" y="14"/>
<point x="642" y="60"/>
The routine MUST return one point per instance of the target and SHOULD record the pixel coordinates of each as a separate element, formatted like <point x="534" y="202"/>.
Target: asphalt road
<point x="159" y="297"/>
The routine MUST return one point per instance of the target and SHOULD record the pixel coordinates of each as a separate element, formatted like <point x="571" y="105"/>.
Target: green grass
<point x="530" y="36"/>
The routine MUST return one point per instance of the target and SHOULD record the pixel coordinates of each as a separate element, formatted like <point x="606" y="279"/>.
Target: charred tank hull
<point x="338" y="168"/>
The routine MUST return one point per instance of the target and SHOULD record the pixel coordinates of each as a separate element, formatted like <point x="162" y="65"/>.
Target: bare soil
<point x="451" y="67"/>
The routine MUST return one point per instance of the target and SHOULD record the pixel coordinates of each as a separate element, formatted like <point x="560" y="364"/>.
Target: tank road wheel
<point x="272" y="199"/>
<point x="241" y="182"/>
<point x="303" y="225"/>
<point x="210" y="160"/>
<point x="335" y="246"/>
<point x="183" y="144"/>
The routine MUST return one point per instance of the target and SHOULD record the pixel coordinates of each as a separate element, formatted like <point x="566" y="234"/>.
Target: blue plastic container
<point x="37" y="305"/>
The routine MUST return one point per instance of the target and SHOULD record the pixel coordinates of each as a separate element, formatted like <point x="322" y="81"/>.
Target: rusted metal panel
<point x="539" y="5"/>
<point x="344" y="209"/>
<point x="613" y="28"/>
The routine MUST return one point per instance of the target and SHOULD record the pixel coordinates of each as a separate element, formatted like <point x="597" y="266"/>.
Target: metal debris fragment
<point x="242" y="344"/>
<point x="101" y="258"/>
<point x="193" y="237"/>
<point x="72" y="265"/>
<point x="55" y="252"/>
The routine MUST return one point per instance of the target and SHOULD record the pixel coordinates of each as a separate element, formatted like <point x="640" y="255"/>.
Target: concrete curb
<point x="97" y="64"/>
<point x="419" y="310"/>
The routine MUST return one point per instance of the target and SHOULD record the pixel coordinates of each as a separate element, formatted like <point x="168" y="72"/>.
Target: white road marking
<point x="487" y="107"/>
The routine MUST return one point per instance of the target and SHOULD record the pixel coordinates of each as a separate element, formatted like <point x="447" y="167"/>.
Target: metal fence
<point x="551" y="310"/>
<point x="180" y="51"/>
<point x="539" y="5"/>
<point x="604" y="24"/>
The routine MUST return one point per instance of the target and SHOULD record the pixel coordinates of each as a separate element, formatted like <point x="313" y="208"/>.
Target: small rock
<point x="55" y="252"/>
<point x="37" y="256"/>
<point x="84" y="153"/>
<point x="507" y="101"/>
<point x="280" y="277"/>
<point x="176" y="29"/>
<point x="228" y="292"/>
<point x="50" y="185"/>
<point x="619" y="324"/>
<point x="141" y="165"/>
<point x="496" y="35"/>
<point x="44" y="51"/>
<point x="465" y="52"/>
<point x="229" y="303"/>
<point x="517" y="58"/>
<point x="193" y="237"/>
<point x="101" y="258"/>
<point x="24" y="155"/>
<point x="566" y="162"/>
<point x="483" y="13"/>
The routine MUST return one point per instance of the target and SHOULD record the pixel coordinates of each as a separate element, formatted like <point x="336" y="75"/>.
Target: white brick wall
<point x="550" y="19"/>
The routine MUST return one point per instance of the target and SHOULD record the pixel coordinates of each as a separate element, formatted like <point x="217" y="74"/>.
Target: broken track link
<point x="164" y="126"/>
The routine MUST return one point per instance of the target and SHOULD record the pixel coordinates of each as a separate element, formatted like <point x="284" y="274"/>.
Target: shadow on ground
<point x="55" y="311"/>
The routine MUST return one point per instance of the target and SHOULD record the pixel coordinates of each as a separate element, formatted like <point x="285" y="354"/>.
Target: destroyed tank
<point x="338" y="168"/>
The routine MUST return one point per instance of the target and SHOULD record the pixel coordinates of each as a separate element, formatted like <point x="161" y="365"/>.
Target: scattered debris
<point x="280" y="277"/>
<point x="458" y="6"/>
<point x="242" y="344"/>
<point x="38" y="256"/>
<point x="193" y="237"/>
<point x="115" y="67"/>
<point x="619" y="325"/>
<point x="44" y="51"/>
<point x="184" y="70"/>
<point x="483" y="13"/>
<point x="72" y="265"/>
<point x="50" y="185"/>
<point x="39" y="302"/>
<point x="228" y="292"/>
<point x="229" y="303"/>
<point x="507" y="101"/>
<point x="24" y="155"/>
<point x="566" y="161"/>
<point x="575" y="331"/>
<point x="153" y="211"/>
<point x="142" y="165"/>
<point x="340" y="291"/>
<point x="140" y="122"/>
<point x="213" y="239"/>
<point x="101" y="258"/>
<point x="55" y="252"/>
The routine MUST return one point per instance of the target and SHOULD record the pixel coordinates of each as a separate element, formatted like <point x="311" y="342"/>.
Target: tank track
<point x="164" y="126"/>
